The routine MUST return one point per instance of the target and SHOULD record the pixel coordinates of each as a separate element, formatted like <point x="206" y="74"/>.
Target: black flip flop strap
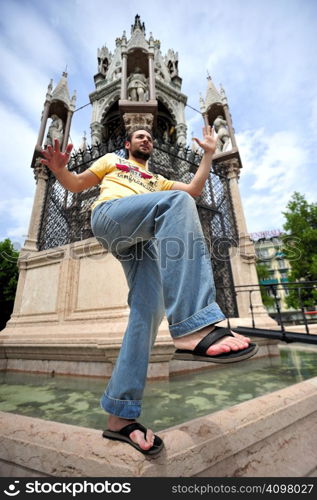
<point x="210" y="339"/>
<point x="135" y="426"/>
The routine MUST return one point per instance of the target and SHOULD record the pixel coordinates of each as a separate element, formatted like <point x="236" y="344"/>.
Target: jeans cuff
<point x="208" y="316"/>
<point x="120" y="407"/>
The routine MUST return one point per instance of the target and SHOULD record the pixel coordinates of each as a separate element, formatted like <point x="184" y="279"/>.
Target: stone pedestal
<point x="71" y="313"/>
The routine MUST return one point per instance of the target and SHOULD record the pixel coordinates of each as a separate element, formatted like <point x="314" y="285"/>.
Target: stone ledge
<point x="96" y="357"/>
<point x="269" y="436"/>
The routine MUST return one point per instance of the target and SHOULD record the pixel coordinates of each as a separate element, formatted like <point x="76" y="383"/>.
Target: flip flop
<point x="124" y="433"/>
<point x="199" y="353"/>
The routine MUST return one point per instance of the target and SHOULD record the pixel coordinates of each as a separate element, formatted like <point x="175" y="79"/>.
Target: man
<point x="152" y="226"/>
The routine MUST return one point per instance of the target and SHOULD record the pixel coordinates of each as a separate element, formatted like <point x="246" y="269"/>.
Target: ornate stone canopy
<point x="140" y="79"/>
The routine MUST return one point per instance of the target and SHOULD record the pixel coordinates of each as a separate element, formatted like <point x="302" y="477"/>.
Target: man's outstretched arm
<point x="56" y="161"/>
<point x="196" y="185"/>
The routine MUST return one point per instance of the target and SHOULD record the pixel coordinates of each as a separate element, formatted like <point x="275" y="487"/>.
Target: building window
<point x="282" y="264"/>
<point x="263" y="253"/>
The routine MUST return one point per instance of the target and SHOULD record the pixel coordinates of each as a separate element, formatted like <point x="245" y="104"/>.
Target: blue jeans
<point x="159" y="241"/>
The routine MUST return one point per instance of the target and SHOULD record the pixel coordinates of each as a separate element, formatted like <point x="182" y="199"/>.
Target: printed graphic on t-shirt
<point x="132" y="173"/>
<point x="128" y="168"/>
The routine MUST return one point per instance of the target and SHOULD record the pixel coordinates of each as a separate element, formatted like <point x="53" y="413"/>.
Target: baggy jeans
<point x="158" y="239"/>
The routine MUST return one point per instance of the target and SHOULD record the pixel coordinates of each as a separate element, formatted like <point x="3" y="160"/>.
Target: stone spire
<point x="137" y="40"/>
<point x="61" y="93"/>
<point x="83" y="146"/>
<point x="137" y="25"/>
<point x="212" y="95"/>
<point x="223" y="95"/>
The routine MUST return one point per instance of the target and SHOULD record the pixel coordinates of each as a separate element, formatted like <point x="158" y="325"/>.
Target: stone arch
<point x="110" y="118"/>
<point x="166" y="121"/>
<point x="108" y="103"/>
<point x="165" y="101"/>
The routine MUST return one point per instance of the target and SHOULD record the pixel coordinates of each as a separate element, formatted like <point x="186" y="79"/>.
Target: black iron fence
<point x="66" y="215"/>
<point x="303" y="316"/>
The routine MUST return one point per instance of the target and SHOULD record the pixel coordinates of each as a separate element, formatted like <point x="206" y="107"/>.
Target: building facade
<point x="269" y="252"/>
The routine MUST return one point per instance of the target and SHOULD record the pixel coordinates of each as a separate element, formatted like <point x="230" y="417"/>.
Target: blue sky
<point x="262" y="51"/>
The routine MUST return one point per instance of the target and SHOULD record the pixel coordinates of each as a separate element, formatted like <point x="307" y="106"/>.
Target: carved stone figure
<point x="103" y="65"/>
<point x="166" y="137"/>
<point x="137" y="86"/>
<point x="104" y="59"/>
<point x="117" y="71"/>
<point x="171" y="61"/>
<point x="55" y="131"/>
<point x="223" y="134"/>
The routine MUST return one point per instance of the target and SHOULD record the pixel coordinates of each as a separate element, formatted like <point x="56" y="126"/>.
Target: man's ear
<point x="127" y="144"/>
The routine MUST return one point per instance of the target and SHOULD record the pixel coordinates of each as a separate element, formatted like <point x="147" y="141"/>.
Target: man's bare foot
<point x="117" y="423"/>
<point x="226" y="344"/>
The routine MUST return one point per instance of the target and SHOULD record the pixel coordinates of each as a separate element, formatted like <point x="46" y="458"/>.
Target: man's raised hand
<point x="209" y="142"/>
<point x="54" y="159"/>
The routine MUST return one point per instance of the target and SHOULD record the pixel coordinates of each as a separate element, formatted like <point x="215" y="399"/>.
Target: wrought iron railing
<point x="302" y="313"/>
<point x="66" y="215"/>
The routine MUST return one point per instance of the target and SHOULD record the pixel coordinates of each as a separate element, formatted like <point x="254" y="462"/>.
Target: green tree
<point x="263" y="274"/>
<point x="300" y="248"/>
<point x="8" y="279"/>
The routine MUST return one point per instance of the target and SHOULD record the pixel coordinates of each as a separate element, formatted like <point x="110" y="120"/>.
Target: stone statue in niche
<point x="166" y="138"/>
<point x="223" y="134"/>
<point x="104" y="58"/>
<point x="103" y="65"/>
<point x="171" y="61"/>
<point x="55" y="131"/>
<point x="117" y="72"/>
<point x="137" y="86"/>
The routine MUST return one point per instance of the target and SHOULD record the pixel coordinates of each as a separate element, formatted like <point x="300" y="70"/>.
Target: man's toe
<point x="227" y="344"/>
<point x="138" y="438"/>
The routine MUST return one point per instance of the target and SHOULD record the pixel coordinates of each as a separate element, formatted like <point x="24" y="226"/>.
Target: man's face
<point x="141" y="145"/>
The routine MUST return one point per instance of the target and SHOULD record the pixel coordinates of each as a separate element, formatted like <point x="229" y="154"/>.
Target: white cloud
<point x="313" y="120"/>
<point x="274" y="161"/>
<point x="274" y="166"/>
<point x="17" y="212"/>
<point x="20" y="85"/>
<point x="18" y="184"/>
<point x="30" y="34"/>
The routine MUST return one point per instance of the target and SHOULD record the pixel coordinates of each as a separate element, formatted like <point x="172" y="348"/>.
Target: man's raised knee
<point x="184" y="197"/>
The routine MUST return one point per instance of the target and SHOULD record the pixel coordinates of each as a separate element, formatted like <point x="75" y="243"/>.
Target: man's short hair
<point x="129" y="134"/>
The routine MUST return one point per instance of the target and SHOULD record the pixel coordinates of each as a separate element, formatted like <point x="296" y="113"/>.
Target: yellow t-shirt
<point x="120" y="177"/>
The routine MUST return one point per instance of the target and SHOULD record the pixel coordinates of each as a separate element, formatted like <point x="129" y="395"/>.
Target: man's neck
<point x="137" y="160"/>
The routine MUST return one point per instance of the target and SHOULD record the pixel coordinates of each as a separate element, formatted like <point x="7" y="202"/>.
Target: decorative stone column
<point x="151" y="76"/>
<point x="57" y="99"/>
<point x="230" y="127"/>
<point x="124" y="74"/>
<point x="243" y="257"/>
<point x="181" y="129"/>
<point x="96" y="133"/>
<point x="41" y="176"/>
<point x="43" y="124"/>
<point x="67" y="127"/>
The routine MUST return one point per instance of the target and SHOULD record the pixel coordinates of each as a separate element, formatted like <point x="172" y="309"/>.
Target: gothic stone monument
<point x="71" y="306"/>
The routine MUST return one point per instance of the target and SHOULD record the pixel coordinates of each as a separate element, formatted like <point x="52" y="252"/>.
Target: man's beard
<point x="141" y="155"/>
